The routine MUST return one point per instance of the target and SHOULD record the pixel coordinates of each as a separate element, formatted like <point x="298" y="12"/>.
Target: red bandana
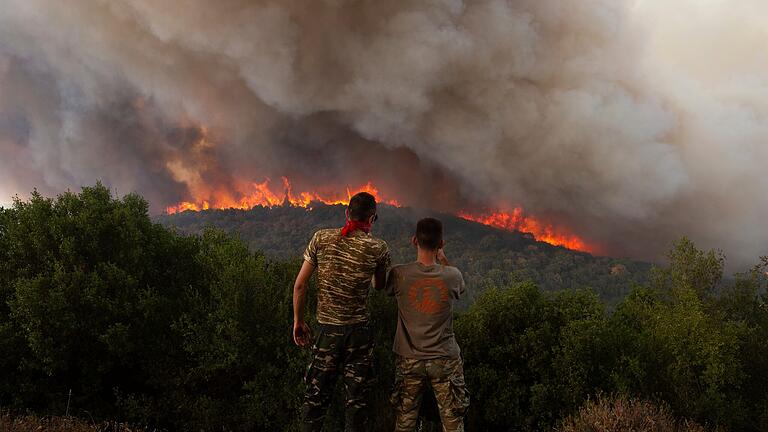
<point x="353" y="225"/>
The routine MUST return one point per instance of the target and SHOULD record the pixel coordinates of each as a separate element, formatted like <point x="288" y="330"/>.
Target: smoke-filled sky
<point x="630" y="122"/>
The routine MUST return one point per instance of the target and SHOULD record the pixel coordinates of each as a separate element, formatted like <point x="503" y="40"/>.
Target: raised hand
<point x="441" y="257"/>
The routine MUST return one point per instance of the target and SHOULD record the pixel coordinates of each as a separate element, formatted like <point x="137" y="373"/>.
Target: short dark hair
<point x="362" y="206"/>
<point x="429" y="233"/>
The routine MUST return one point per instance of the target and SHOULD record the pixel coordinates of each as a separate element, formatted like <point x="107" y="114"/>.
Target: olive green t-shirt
<point x="345" y="267"/>
<point x="425" y="295"/>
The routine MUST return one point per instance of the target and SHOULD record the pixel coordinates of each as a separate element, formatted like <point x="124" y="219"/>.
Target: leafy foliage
<point x="528" y="354"/>
<point x="163" y="330"/>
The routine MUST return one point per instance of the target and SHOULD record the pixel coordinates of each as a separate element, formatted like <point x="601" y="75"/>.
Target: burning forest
<point x="262" y="194"/>
<point x="242" y="194"/>
<point x="611" y="126"/>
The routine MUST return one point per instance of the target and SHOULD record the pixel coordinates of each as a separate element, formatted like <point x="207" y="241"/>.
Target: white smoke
<point x="634" y="122"/>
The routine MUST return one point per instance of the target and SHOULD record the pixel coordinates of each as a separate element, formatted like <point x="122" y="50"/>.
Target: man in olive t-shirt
<point x="425" y="346"/>
<point x="346" y="260"/>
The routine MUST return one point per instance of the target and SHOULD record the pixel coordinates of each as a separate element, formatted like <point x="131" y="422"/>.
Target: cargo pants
<point x="446" y="377"/>
<point x="345" y="351"/>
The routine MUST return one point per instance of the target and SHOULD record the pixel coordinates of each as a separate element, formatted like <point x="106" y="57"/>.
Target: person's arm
<point x="392" y="280"/>
<point x="441" y="257"/>
<point x="382" y="266"/>
<point x="301" y="331"/>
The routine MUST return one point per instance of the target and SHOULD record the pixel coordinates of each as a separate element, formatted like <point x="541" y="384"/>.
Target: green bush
<point x="531" y="356"/>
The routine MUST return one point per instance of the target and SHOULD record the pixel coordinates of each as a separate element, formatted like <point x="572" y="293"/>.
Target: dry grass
<point x="620" y="414"/>
<point x="29" y="423"/>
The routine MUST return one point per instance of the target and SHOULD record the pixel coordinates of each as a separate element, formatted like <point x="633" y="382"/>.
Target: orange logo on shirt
<point x="428" y="296"/>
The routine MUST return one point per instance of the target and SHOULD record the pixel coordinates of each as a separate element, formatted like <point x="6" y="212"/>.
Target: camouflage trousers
<point x="345" y="351"/>
<point x="446" y="377"/>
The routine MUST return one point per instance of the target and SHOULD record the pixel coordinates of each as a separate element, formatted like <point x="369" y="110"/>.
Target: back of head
<point x="362" y="206"/>
<point x="429" y="233"/>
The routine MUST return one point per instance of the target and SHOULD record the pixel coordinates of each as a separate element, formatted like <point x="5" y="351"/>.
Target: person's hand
<point x="301" y="333"/>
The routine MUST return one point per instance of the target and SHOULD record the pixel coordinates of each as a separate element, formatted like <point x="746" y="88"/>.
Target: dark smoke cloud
<point x="632" y="122"/>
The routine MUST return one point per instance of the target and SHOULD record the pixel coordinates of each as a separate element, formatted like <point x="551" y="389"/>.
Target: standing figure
<point x="346" y="260"/>
<point x="426" y="350"/>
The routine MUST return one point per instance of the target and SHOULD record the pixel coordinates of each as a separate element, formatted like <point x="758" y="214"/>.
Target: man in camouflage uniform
<point x="427" y="352"/>
<point x="346" y="260"/>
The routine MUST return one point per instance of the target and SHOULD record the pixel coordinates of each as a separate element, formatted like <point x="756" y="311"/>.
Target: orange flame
<point x="517" y="220"/>
<point x="193" y="166"/>
<point x="260" y="194"/>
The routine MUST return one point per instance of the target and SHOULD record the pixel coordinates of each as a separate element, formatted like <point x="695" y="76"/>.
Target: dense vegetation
<point x="488" y="256"/>
<point x="193" y="332"/>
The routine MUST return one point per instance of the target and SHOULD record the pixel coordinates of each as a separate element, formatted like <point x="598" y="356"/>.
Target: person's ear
<point x="415" y="241"/>
<point x="441" y="245"/>
<point x="372" y="219"/>
<point x="346" y="213"/>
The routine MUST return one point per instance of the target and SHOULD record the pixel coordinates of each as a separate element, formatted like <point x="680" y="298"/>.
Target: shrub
<point x="29" y="423"/>
<point x="620" y="414"/>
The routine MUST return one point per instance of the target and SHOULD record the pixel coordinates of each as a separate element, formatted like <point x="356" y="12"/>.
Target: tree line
<point x="487" y="256"/>
<point x="146" y="325"/>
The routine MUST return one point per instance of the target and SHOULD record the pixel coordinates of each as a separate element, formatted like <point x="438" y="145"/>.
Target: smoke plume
<point x="631" y="122"/>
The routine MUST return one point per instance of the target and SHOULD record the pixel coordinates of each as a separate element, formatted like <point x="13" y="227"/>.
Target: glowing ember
<point x="517" y="220"/>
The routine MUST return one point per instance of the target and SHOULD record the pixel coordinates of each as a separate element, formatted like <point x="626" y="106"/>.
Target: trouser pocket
<point x="321" y="376"/>
<point x="459" y="393"/>
<point x="357" y="357"/>
<point x="409" y="380"/>
<point x="324" y="366"/>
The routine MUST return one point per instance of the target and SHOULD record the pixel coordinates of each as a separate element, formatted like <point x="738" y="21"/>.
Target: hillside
<point x="488" y="256"/>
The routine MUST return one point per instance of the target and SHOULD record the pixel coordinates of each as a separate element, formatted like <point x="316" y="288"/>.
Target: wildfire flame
<point x="261" y="194"/>
<point x="517" y="220"/>
<point x="191" y="167"/>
